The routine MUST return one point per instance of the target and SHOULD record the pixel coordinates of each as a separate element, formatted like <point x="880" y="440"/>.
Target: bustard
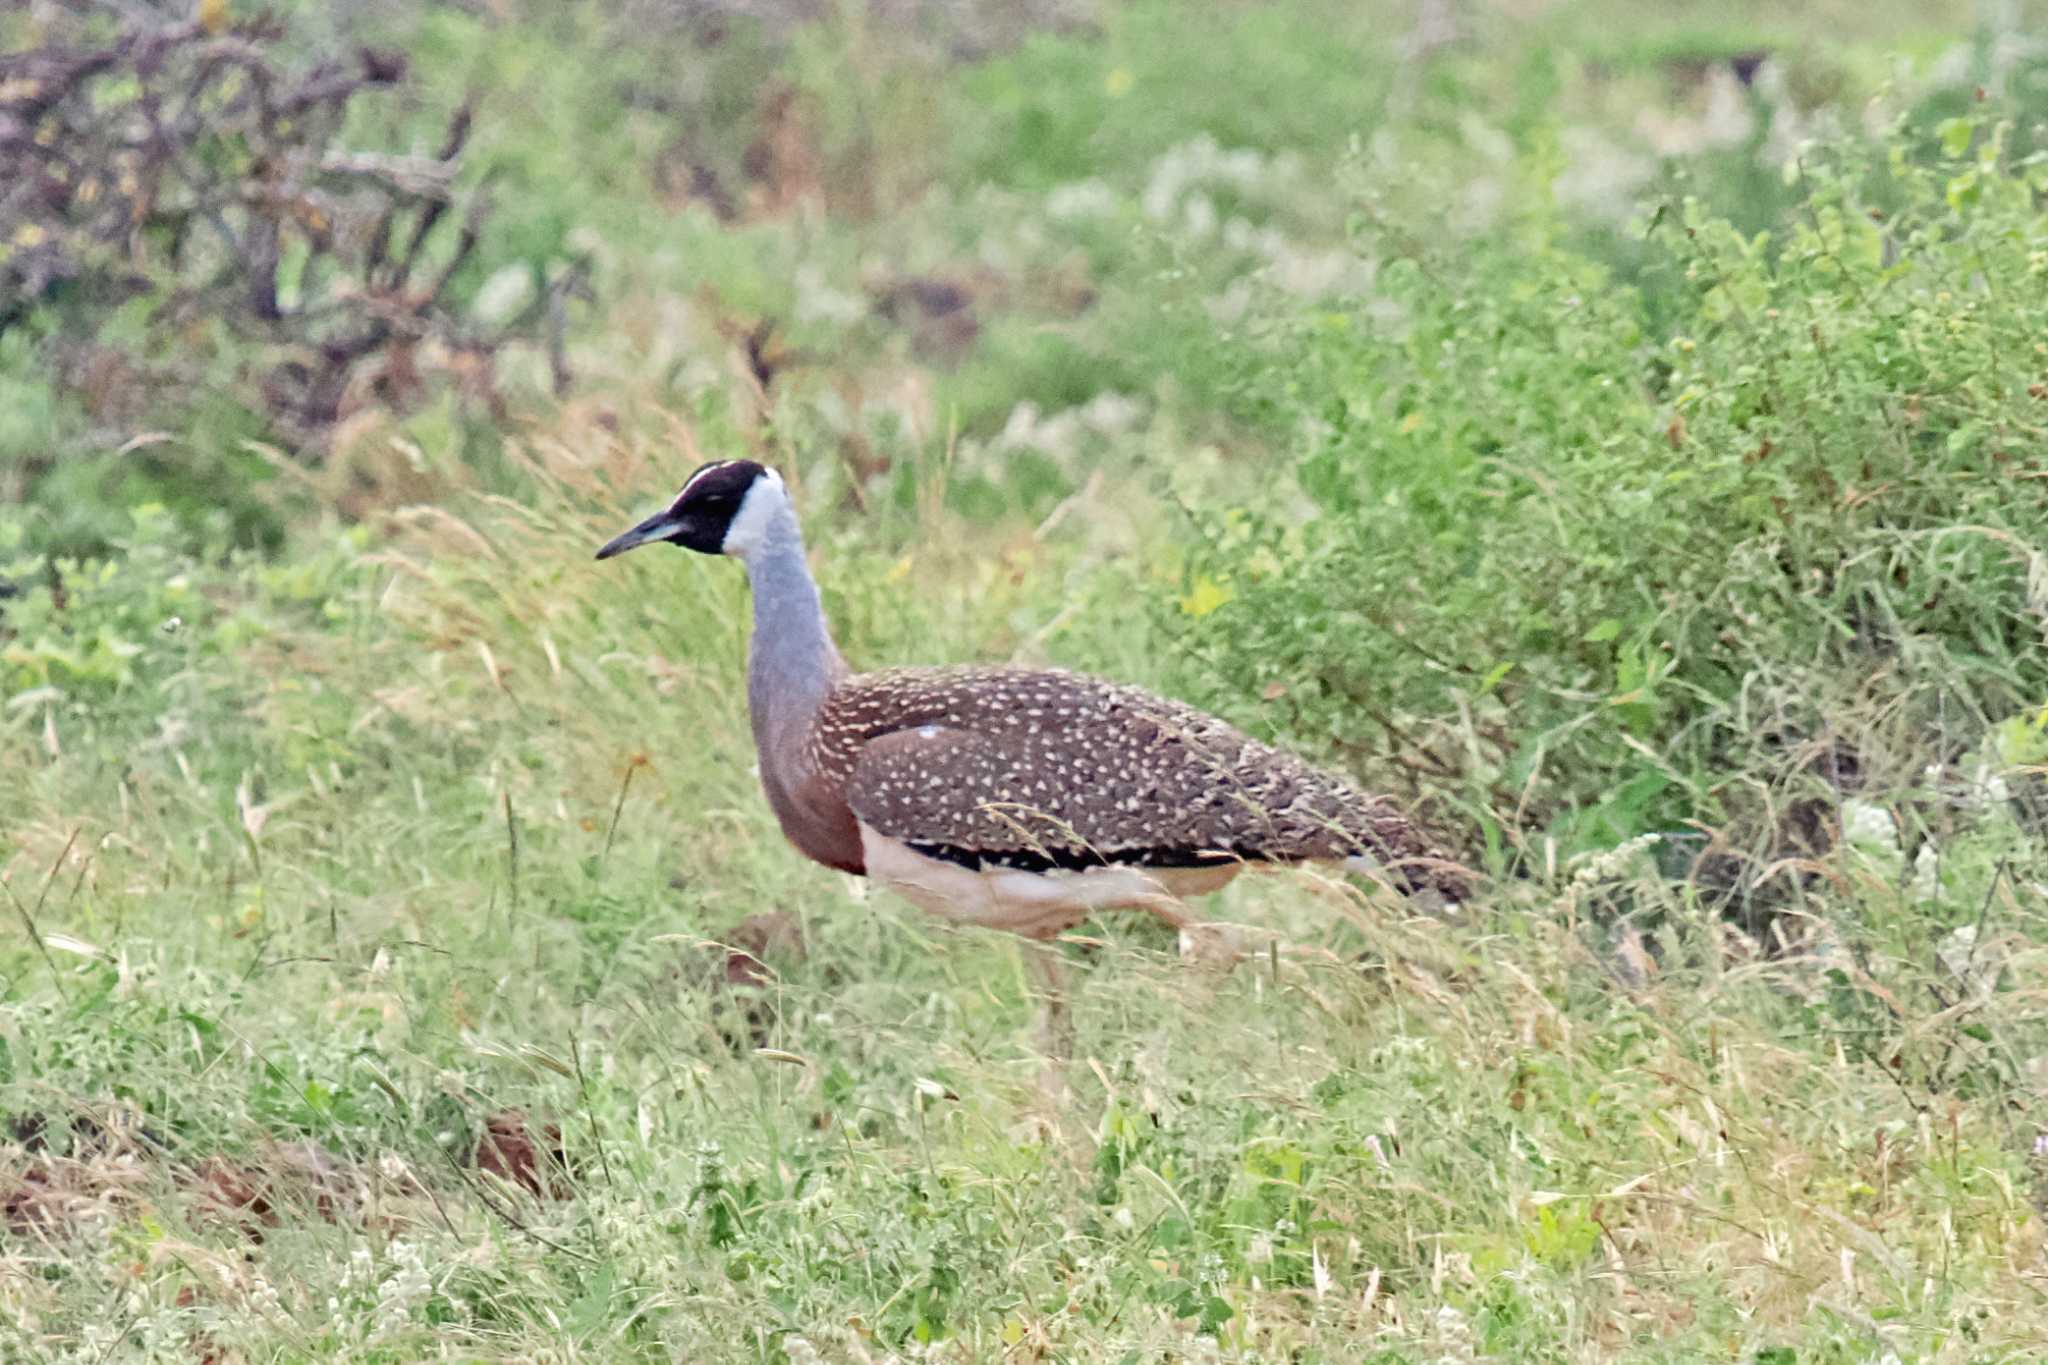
<point x="1017" y="798"/>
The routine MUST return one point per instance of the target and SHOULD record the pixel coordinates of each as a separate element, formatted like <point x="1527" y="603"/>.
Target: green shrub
<point x="1595" y="580"/>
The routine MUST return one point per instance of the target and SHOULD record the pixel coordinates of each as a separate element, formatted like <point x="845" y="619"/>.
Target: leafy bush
<point x="84" y="632"/>
<point x="1593" y="580"/>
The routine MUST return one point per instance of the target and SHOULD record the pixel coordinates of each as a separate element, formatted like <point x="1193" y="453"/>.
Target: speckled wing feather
<point x="1037" y="768"/>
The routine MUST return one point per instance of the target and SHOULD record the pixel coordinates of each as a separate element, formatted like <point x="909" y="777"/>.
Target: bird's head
<point x="725" y="507"/>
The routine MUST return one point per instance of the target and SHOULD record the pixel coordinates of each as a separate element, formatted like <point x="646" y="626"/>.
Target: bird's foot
<point x="1213" y="944"/>
<point x="1046" y="1110"/>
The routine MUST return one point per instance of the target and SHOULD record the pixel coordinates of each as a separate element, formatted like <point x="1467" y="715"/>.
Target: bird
<point x="1015" y="798"/>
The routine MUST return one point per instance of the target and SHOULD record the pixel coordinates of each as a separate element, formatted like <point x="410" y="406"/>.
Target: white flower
<point x="404" y="1291"/>
<point x="1869" y="826"/>
<point x="1081" y="199"/>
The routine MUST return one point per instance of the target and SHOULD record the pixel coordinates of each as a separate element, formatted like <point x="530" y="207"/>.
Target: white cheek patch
<point x="764" y="501"/>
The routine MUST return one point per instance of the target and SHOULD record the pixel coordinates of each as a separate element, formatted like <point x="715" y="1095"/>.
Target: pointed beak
<point x="657" y="527"/>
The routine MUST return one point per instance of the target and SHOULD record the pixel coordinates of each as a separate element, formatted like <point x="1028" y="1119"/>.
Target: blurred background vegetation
<point x="1472" y="354"/>
<point x="1615" y="428"/>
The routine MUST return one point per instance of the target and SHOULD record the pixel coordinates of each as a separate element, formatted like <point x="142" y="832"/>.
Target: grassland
<point x="405" y="966"/>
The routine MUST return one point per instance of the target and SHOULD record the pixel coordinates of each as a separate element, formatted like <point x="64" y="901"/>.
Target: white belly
<point x="1035" y="904"/>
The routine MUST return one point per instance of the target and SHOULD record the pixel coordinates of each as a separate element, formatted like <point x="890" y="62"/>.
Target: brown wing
<point x="1038" y="768"/>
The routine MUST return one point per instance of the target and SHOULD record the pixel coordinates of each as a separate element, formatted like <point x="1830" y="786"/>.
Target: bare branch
<point x="316" y="254"/>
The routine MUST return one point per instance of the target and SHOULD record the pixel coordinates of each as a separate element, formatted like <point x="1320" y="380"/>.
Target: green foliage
<point x="1620" y="561"/>
<point x="409" y="834"/>
<point x="326" y="868"/>
<point x="1300" y="77"/>
<point x="86" y="631"/>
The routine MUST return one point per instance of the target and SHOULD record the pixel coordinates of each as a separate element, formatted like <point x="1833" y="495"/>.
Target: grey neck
<point x="792" y="664"/>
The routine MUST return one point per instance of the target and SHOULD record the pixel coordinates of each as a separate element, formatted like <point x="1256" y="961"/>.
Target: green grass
<point x="344" y="885"/>
<point x="395" y="837"/>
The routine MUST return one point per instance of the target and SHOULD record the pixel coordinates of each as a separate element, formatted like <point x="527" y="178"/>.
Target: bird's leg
<point x="1056" y="1020"/>
<point x="1055" y="1034"/>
